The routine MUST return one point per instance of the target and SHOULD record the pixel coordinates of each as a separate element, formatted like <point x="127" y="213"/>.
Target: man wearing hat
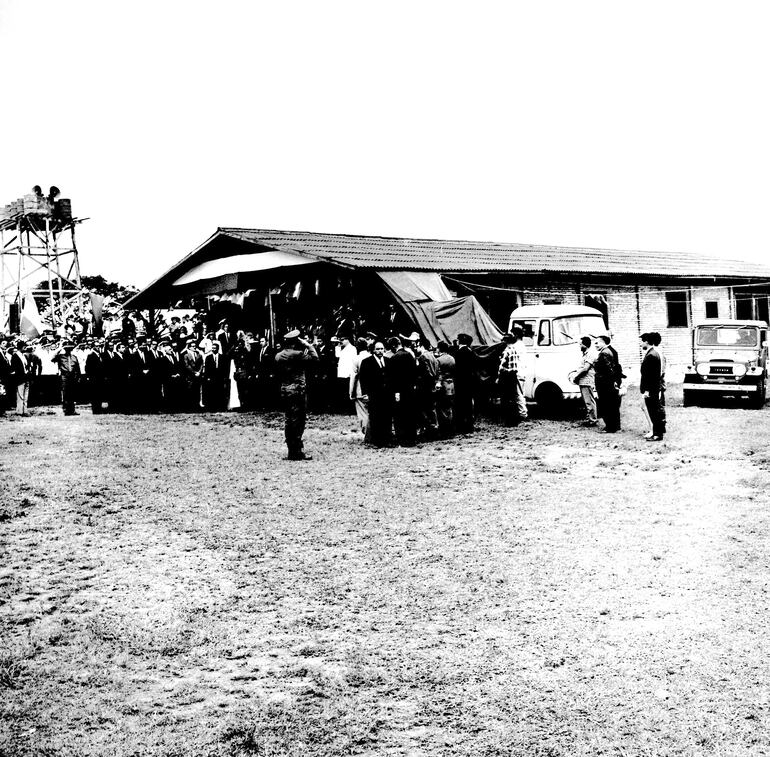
<point x="291" y="364"/>
<point x="69" y="370"/>
<point x="508" y="381"/>
<point x="95" y="375"/>
<point x="192" y="370"/>
<point x="20" y="377"/>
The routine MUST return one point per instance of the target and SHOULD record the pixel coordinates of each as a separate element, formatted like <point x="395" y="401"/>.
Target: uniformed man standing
<point x="69" y="371"/>
<point x="291" y="364"/>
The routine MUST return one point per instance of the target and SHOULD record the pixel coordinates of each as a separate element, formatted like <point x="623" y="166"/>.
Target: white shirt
<point x="346" y="356"/>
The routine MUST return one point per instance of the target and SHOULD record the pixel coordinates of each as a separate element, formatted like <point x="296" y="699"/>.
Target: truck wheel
<point x="549" y="399"/>
<point x="688" y="398"/>
<point x="758" y="400"/>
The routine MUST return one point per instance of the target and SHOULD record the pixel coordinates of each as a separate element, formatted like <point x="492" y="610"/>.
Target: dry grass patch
<point x="170" y="586"/>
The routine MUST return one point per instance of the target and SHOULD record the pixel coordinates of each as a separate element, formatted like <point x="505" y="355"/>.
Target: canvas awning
<point x="235" y="264"/>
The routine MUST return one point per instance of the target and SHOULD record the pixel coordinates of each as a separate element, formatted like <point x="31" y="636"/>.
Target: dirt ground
<point x="169" y="585"/>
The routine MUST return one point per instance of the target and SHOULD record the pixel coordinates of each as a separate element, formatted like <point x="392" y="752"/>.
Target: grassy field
<point x="171" y="586"/>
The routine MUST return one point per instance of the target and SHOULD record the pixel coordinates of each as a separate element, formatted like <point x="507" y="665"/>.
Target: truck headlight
<point x="739" y="369"/>
<point x="703" y="369"/>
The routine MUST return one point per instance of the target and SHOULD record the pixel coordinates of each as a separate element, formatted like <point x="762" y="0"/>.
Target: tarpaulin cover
<point x="415" y="286"/>
<point x="445" y="320"/>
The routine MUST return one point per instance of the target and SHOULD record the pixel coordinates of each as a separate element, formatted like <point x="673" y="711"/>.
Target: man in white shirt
<point x="356" y="394"/>
<point x="346" y="355"/>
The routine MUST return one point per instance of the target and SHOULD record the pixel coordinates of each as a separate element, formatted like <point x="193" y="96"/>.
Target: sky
<point x="588" y="124"/>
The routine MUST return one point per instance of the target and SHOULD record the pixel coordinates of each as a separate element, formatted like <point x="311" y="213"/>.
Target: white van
<point x="552" y="339"/>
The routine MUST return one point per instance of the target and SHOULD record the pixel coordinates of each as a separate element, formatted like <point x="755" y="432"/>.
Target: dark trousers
<point x="509" y="387"/>
<point x="426" y="412"/>
<point x="295" y="416"/>
<point x="608" y="405"/>
<point x="69" y="385"/>
<point x="405" y="419"/>
<point x="464" y="415"/>
<point x="193" y="395"/>
<point x="445" y="409"/>
<point x="657" y="413"/>
<point x="96" y="392"/>
<point x="380" y="421"/>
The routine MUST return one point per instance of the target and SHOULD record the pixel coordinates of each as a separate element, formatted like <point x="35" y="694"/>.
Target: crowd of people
<point x="402" y="390"/>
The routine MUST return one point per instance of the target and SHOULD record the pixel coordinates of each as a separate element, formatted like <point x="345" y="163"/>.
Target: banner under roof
<point x="257" y="261"/>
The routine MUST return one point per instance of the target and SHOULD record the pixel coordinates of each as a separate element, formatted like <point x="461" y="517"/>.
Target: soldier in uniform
<point x="291" y="364"/>
<point x="69" y="370"/>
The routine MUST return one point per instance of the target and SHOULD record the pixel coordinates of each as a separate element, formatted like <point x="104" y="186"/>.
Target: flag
<point x="97" y="308"/>
<point x="31" y="325"/>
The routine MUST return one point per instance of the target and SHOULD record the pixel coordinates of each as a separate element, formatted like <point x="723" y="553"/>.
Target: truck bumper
<point x="722" y="388"/>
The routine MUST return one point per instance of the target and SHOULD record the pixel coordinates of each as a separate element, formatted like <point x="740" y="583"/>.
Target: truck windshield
<point x="568" y="330"/>
<point x="727" y="336"/>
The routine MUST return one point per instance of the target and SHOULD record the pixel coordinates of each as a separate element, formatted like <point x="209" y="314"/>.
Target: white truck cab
<point x="552" y="340"/>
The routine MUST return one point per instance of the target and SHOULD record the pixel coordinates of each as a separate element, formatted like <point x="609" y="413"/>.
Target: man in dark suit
<point x="466" y="378"/>
<point x="7" y="394"/>
<point x="34" y="370"/>
<point x="607" y="380"/>
<point x="95" y="375"/>
<point x="192" y="370"/>
<point x="117" y="364"/>
<point x="169" y="373"/>
<point x="264" y="365"/>
<point x="402" y="376"/>
<point x="19" y="378"/>
<point x="216" y="379"/>
<point x="373" y="379"/>
<point x="650" y="382"/>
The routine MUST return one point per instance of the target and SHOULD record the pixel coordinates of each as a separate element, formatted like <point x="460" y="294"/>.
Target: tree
<point x="118" y="293"/>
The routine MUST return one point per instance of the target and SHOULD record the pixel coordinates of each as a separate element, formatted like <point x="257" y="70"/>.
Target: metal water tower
<point x="38" y="257"/>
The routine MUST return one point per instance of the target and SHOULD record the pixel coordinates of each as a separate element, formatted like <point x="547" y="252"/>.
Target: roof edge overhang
<point x="160" y="290"/>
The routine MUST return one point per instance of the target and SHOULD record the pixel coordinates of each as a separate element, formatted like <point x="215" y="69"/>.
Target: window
<point x="528" y="327"/>
<point x="598" y="301"/>
<point x="676" y="306"/>
<point x="712" y="309"/>
<point x="569" y="330"/>
<point x="552" y="302"/>
<point x="744" y="307"/>
<point x="544" y="335"/>
<point x="727" y="336"/>
<point x="762" y="309"/>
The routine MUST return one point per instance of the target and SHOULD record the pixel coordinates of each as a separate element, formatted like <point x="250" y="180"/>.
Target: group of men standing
<point x="402" y="391"/>
<point x="148" y="375"/>
<point x="19" y="369"/>
<point x="600" y="378"/>
<point x="405" y="392"/>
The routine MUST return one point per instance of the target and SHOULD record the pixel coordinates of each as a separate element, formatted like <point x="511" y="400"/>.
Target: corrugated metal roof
<point x="388" y="253"/>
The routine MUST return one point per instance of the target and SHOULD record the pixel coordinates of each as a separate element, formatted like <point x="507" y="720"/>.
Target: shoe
<point x="649" y="436"/>
<point x="653" y="438"/>
<point x="301" y="456"/>
<point x="590" y="423"/>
